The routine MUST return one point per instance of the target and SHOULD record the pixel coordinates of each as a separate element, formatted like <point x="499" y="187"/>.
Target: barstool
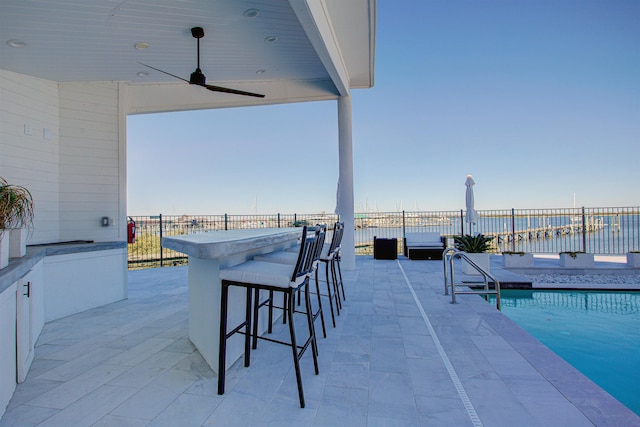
<point x="337" y="259"/>
<point x="330" y="257"/>
<point x="286" y="257"/>
<point x="278" y="278"/>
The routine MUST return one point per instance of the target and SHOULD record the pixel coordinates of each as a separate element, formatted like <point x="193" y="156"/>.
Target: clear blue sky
<point x="538" y="99"/>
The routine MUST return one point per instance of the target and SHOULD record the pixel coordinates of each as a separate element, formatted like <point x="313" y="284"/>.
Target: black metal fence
<point x="147" y="252"/>
<point x="593" y="230"/>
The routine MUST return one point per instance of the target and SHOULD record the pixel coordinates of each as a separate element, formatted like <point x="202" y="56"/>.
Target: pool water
<point x="597" y="332"/>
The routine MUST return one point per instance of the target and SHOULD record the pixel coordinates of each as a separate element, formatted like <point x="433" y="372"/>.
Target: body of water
<point x="596" y="332"/>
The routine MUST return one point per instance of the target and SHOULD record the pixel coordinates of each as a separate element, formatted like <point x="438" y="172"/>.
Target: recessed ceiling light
<point x="142" y="73"/>
<point x="251" y="13"/>
<point x="141" y="45"/>
<point x="16" y="43"/>
<point x="261" y="71"/>
<point x="270" y="39"/>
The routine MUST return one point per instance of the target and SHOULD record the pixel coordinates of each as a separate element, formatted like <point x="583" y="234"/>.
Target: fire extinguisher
<point x="131" y="231"/>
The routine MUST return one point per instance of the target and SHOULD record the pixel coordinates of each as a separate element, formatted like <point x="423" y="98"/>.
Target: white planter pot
<point x="580" y="261"/>
<point x="518" y="260"/>
<point x="633" y="259"/>
<point x="481" y="260"/>
<point x="4" y="249"/>
<point x="17" y="242"/>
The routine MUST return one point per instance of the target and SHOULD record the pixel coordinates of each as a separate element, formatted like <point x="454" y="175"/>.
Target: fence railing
<point x="147" y="252"/>
<point x="593" y="230"/>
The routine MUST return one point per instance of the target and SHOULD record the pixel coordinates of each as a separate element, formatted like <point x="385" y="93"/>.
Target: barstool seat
<point x="279" y="257"/>
<point x="262" y="273"/>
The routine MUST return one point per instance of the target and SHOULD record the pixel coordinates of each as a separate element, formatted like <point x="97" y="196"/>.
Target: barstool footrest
<point x="237" y="330"/>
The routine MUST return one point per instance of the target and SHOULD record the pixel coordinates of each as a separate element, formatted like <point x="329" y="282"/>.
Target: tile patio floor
<point x="401" y="355"/>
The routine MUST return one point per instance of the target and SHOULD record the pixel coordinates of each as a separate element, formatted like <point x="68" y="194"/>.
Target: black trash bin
<point x="385" y="248"/>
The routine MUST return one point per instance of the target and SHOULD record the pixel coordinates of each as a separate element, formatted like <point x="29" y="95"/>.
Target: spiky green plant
<point x="16" y="206"/>
<point x="573" y="255"/>
<point x="472" y="244"/>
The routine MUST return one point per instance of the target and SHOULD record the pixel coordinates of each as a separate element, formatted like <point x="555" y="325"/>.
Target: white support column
<point x="345" y="182"/>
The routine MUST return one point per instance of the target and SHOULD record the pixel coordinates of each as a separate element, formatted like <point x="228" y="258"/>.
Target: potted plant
<point x="633" y="259"/>
<point x="517" y="259"/>
<point x="16" y="214"/>
<point x="577" y="259"/>
<point x="476" y="248"/>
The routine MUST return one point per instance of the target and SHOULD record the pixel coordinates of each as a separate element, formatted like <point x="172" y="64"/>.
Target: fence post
<point x="513" y="230"/>
<point x="461" y="223"/>
<point x="226" y="223"/>
<point x="160" y="219"/>
<point x="404" y="225"/>
<point x="584" y="232"/>
<point x="278" y="220"/>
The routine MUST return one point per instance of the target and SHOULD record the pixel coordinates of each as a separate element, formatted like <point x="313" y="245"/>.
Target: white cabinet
<point x="75" y="281"/>
<point x="7" y="345"/>
<point x="80" y="281"/>
<point x="29" y="318"/>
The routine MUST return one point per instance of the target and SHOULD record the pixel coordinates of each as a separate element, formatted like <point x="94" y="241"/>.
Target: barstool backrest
<point x="337" y="237"/>
<point x="304" y="265"/>
<point x="321" y="232"/>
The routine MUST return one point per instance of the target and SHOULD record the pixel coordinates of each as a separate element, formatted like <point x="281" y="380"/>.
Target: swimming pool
<point x="597" y="332"/>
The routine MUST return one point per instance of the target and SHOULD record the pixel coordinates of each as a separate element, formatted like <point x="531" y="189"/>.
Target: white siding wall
<point x="91" y="161"/>
<point x="30" y="105"/>
<point x="66" y="143"/>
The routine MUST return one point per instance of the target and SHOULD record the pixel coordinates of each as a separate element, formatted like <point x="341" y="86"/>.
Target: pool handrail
<point x="447" y="258"/>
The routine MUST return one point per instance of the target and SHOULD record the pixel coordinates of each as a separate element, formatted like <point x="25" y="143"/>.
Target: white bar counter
<point x="208" y="253"/>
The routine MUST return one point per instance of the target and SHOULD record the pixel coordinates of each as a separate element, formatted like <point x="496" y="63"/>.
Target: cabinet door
<point x="7" y="345"/>
<point x="24" y="328"/>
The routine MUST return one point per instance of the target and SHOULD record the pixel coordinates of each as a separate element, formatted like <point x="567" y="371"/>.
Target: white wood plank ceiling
<point x="245" y="41"/>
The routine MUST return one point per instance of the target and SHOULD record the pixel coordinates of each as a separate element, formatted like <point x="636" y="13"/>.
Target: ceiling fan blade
<point x="233" y="91"/>
<point x="164" y="72"/>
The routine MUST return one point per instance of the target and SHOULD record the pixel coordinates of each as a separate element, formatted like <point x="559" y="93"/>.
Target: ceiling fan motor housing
<point x="197" y="32"/>
<point x="197" y="78"/>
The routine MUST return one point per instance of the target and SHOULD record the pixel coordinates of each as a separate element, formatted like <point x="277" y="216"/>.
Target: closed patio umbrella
<point x="472" y="215"/>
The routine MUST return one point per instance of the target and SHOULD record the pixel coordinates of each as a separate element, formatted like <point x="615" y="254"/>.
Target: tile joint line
<point x="443" y="355"/>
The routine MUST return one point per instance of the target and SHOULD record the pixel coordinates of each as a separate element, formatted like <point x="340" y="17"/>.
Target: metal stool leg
<point x="333" y="317"/>
<point x="222" y="355"/>
<point x="224" y="335"/>
<point x="247" y="328"/>
<point x="256" y="307"/>
<point x="294" y="346"/>
<point x="344" y="297"/>
<point x="324" y="330"/>
<point x="312" y="328"/>
<point x="334" y="282"/>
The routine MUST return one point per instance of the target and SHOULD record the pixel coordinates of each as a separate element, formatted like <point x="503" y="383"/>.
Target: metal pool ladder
<point x="447" y="257"/>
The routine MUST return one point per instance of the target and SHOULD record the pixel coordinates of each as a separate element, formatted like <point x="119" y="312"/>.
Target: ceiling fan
<point x="199" y="79"/>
